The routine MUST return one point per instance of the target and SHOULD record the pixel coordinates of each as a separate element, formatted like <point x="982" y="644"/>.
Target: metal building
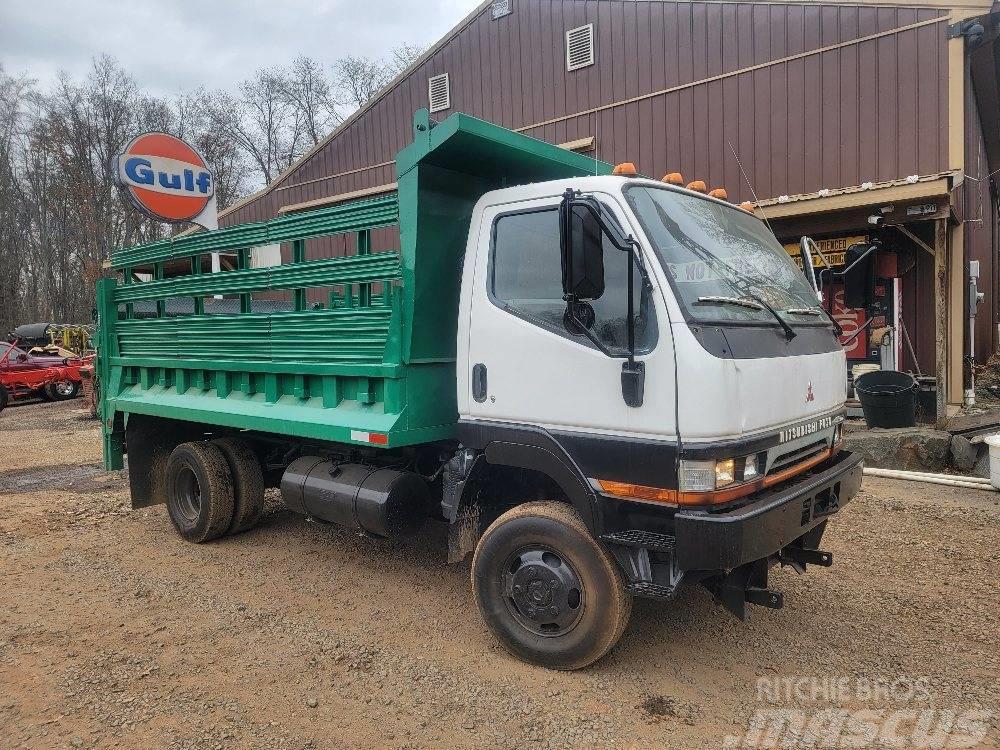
<point x="836" y="112"/>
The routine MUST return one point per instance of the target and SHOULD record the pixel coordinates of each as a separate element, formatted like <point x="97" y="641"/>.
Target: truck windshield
<point x="723" y="263"/>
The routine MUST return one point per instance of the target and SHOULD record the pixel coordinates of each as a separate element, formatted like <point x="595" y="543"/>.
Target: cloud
<point x="179" y="45"/>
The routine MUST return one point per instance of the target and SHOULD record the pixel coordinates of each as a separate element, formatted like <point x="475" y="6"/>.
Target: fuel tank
<point x="384" y="502"/>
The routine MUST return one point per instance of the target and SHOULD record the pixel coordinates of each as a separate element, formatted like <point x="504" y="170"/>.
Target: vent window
<point x="439" y="92"/>
<point x="500" y="8"/>
<point x="580" y="47"/>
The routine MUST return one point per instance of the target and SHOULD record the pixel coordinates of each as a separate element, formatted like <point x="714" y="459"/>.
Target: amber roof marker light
<point x="625" y="169"/>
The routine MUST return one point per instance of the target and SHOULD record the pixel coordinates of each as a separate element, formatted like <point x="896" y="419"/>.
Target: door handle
<point x="479" y="382"/>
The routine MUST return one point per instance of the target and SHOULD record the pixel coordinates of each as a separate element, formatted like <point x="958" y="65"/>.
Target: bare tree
<point x="192" y="120"/>
<point x="13" y="93"/>
<point x="404" y="56"/>
<point x="358" y="79"/>
<point x="261" y="123"/>
<point x="307" y="90"/>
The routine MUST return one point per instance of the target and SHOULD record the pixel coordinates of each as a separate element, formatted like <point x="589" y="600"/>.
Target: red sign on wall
<point x="850" y="320"/>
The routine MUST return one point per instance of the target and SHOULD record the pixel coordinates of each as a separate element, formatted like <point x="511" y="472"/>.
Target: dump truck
<point x="606" y="386"/>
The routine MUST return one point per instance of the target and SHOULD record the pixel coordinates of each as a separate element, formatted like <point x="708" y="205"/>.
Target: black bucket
<point x="888" y="398"/>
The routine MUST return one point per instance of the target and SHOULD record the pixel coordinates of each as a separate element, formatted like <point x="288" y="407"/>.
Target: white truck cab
<point x="702" y="442"/>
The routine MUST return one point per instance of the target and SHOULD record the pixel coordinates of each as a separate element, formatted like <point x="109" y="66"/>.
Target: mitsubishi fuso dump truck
<point x="608" y="386"/>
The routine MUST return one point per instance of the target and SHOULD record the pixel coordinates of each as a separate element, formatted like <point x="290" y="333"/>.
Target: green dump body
<point x="365" y="363"/>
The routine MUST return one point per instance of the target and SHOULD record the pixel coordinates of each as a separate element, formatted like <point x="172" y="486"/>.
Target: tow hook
<point x="797" y="558"/>
<point x="747" y="583"/>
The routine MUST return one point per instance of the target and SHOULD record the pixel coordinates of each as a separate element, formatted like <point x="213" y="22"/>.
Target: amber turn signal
<point x="625" y="169"/>
<point x="697" y="185"/>
<point x="673" y="178"/>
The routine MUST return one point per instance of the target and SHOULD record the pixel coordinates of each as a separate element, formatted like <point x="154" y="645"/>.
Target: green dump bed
<point x="374" y="363"/>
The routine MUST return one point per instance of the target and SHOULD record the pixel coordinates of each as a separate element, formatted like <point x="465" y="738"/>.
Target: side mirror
<point x="859" y="277"/>
<point x="582" y="249"/>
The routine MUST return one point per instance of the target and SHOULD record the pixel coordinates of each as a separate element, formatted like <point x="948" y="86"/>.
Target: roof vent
<point x="500" y="8"/>
<point x="580" y="47"/>
<point x="439" y="92"/>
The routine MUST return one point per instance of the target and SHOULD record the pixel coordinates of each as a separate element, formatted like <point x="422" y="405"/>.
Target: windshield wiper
<point x="754" y="303"/>
<point x="789" y="333"/>
<point x="819" y="313"/>
<point x="714" y="299"/>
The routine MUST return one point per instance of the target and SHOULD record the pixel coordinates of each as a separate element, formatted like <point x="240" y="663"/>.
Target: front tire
<point x="199" y="492"/>
<point x="548" y="591"/>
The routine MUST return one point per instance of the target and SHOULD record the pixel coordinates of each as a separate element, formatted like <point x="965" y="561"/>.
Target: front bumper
<point x="724" y="540"/>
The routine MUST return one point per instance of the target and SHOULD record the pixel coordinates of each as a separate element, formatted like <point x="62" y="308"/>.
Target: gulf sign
<point x="164" y="177"/>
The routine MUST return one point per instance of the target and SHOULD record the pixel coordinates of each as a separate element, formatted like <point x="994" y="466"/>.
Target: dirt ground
<point x="115" y="633"/>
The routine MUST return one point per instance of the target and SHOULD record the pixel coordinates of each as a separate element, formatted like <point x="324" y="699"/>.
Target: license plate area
<point x="824" y="503"/>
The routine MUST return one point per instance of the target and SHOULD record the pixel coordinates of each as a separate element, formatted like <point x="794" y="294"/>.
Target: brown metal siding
<point x="868" y="111"/>
<point x="981" y="227"/>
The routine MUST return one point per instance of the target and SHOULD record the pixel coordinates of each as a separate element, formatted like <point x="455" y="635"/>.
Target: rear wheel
<point x="248" y="483"/>
<point x="3" y="397"/>
<point x="547" y="589"/>
<point x="199" y="491"/>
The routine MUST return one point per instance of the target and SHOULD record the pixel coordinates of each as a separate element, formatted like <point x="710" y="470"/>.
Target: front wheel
<point x="548" y="591"/>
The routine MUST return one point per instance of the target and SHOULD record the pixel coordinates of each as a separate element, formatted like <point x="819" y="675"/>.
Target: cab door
<point x="527" y="367"/>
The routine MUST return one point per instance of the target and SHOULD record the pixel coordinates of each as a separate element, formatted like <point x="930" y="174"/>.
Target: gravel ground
<point x="115" y="633"/>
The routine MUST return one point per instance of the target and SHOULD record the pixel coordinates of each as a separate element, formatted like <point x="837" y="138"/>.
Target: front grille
<point x="797" y="455"/>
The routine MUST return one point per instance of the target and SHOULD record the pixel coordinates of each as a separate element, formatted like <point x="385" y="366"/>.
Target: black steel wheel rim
<point x="187" y="493"/>
<point x="542" y="591"/>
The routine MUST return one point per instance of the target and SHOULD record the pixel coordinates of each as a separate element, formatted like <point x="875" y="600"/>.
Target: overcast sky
<point x="175" y="45"/>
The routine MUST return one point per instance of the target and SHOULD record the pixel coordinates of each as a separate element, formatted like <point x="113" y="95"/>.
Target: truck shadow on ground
<point x="659" y="631"/>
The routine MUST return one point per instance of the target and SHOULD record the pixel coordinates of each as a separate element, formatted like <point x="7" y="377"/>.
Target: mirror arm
<point x="596" y="341"/>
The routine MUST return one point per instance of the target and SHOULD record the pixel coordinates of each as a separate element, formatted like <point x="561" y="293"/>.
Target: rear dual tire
<point x="548" y="591"/>
<point x="213" y="488"/>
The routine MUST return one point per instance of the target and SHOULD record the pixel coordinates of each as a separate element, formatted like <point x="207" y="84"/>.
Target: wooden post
<point x="941" y="316"/>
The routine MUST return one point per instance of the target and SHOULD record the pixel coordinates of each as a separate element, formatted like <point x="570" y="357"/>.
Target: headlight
<point x="697" y="476"/>
<point x="725" y="472"/>
<point x="706" y="476"/>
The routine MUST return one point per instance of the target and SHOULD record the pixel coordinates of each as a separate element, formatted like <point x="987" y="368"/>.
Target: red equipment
<point x="24" y="375"/>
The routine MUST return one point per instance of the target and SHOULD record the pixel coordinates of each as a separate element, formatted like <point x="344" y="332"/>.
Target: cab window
<point x="526" y="280"/>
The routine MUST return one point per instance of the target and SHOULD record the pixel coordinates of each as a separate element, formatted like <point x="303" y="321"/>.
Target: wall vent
<point x="439" y="92"/>
<point x="580" y="47"/>
<point x="500" y="8"/>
